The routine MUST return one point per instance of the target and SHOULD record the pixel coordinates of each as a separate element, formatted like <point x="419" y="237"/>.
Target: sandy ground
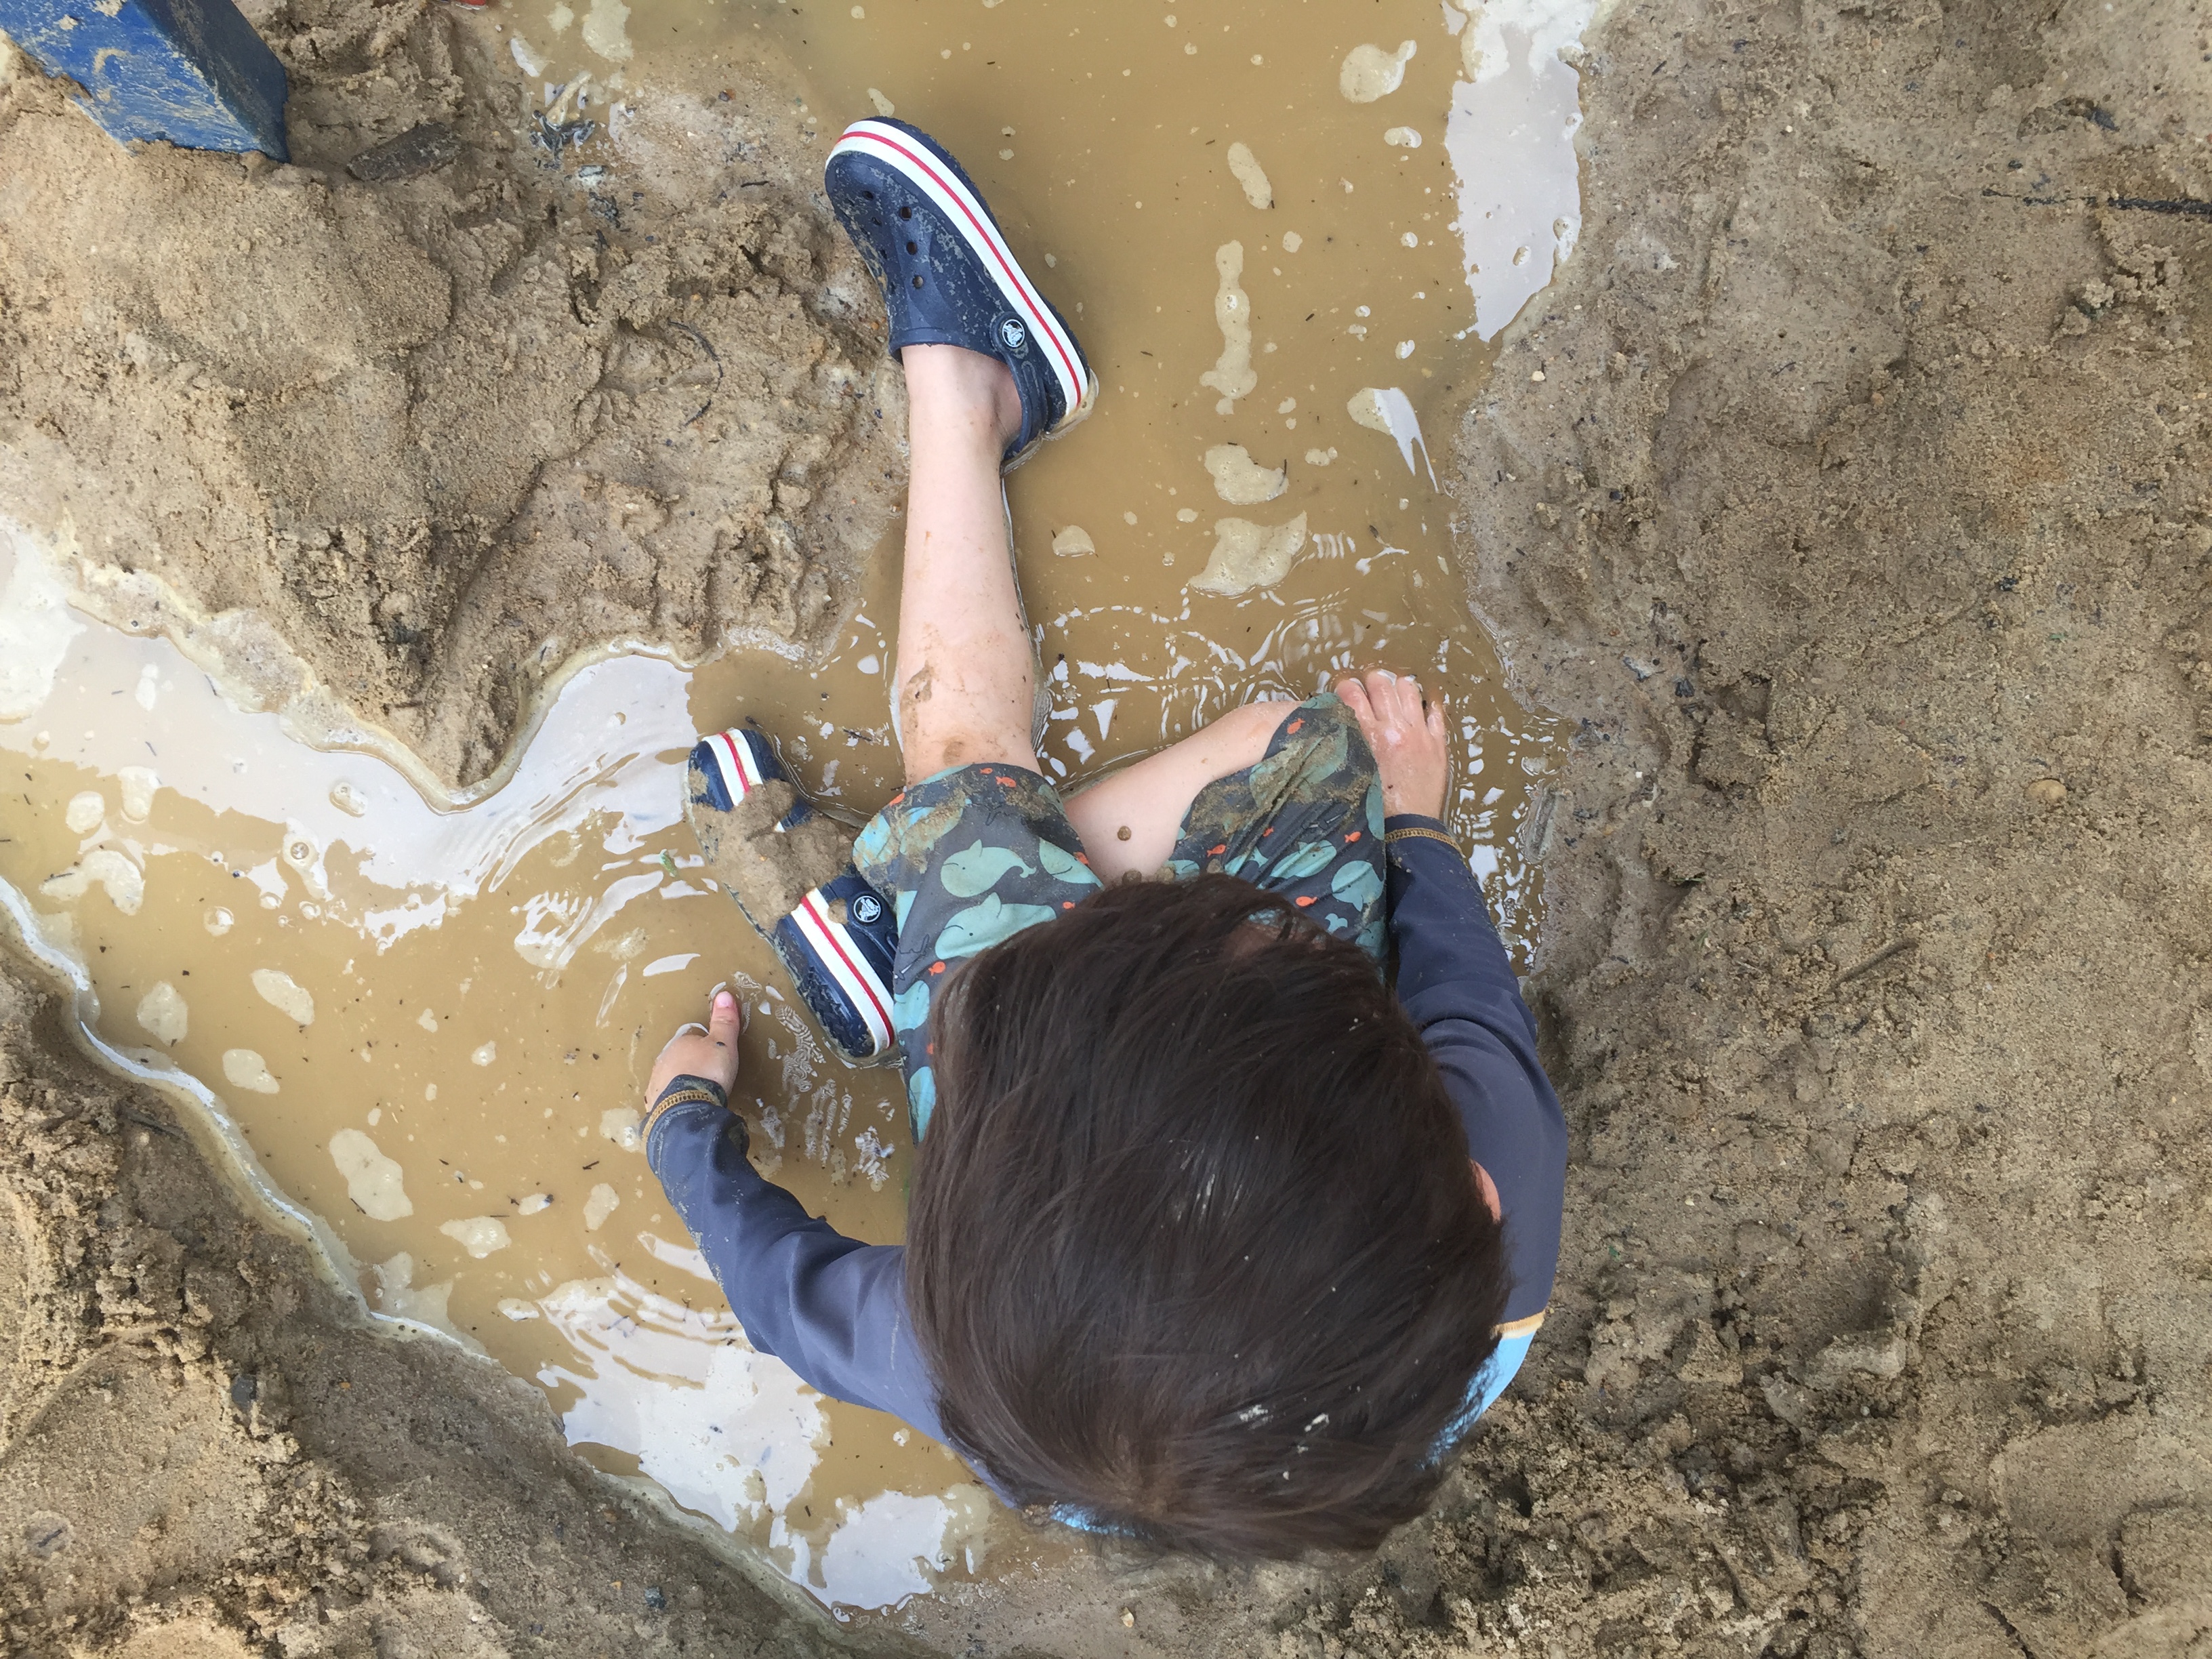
<point x="437" y="435"/>
<point x="1850" y="489"/>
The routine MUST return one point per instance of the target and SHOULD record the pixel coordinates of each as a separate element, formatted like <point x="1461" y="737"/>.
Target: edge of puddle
<point x="201" y="1116"/>
<point x="209" y="1129"/>
<point x="318" y="717"/>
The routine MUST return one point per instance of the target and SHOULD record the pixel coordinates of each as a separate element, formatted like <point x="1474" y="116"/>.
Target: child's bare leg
<point x="964" y="679"/>
<point x="1129" y="821"/>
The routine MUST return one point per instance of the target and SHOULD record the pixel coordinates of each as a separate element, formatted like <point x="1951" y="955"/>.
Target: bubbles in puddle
<point x="244" y="1068"/>
<point x="480" y="1235"/>
<point x="163" y="1015"/>
<point x="138" y="785"/>
<point x="376" y="1184"/>
<point x="282" y="991"/>
<point x="1240" y="480"/>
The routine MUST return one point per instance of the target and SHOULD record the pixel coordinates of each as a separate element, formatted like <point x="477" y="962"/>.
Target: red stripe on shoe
<point x="1041" y="316"/>
<point x="812" y="904"/>
<point x="734" y="772"/>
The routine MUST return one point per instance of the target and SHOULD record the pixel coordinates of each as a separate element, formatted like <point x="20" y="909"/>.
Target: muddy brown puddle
<point x="427" y="1024"/>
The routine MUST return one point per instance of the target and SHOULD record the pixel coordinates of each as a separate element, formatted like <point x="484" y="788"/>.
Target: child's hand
<point x="1408" y="740"/>
<point x="711" y="1053"/>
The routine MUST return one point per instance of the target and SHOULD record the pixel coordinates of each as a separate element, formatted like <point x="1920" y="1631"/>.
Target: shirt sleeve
<point x="831" y="1308"/>
<point x="1456" y="982"/>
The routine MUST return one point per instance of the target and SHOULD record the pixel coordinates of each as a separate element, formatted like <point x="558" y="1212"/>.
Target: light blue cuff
<point x="1504" y="1363"/>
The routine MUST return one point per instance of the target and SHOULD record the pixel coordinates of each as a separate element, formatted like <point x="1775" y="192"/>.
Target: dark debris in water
<point x="553" y="137"/>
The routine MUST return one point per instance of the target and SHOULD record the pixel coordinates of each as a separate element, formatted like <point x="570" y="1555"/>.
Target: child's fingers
<point x="1364" y="709"/>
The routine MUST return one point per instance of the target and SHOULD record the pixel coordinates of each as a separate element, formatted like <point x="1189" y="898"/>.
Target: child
<point x="1195" y="1251"/>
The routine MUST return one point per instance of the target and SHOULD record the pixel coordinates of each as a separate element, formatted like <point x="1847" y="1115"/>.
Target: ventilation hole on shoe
<point x="913" y="247"/>
<point x="917" y="281"/>
<point x="906" y="212"/>
<point x="869" y="194"/>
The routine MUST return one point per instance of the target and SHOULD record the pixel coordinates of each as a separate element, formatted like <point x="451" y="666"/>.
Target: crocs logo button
<point x="1012" y="335"/>
<point x="867" y="909"/>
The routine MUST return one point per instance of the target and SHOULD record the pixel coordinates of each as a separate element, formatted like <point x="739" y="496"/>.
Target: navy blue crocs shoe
<point x="948" y="277"/>
<point x="834" y="932"/>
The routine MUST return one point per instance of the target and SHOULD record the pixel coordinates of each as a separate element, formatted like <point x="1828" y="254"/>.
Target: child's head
<point x="1194" y="1244"/>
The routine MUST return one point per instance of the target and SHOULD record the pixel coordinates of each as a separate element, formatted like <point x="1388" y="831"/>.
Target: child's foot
<point x="791" y="871"/>
<point x="948" y="277"/>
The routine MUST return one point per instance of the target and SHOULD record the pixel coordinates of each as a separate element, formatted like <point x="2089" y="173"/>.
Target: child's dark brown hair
<point x="1195" y="1244"/>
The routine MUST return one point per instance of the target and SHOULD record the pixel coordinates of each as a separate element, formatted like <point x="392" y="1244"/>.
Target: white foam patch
<point x="84" y="812"/>
<point x="606" y="30"/>
<point x="398" y="1294"/>
<point x="483" y="1054"/>
<point x="1232" y="375"/>
<point x="163" y="1014"/>
<point x="1240" y="480"/>
<point x="373" y="1182"/>
<point x="1247" y="555"/>
<point x="480" y="1235"/>
<point x="245" y="1069"/>
<point x="138" y="785"/>
<point x="1250" y="176"/>
<point x="1369" y="72"/>
<point x="285" y="995"/>
<point x="1072" y="541"/>
<point x="599" y="1203"/>
<point x="103" y="867"/>
<point x="618" y="1124"/>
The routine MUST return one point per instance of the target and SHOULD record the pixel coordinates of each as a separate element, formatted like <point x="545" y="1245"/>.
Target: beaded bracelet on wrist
<point x="1427" y="833"/>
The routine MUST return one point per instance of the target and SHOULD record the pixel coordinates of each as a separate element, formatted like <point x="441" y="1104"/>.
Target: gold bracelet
<point x="1425" y="834"/>
<point x="673" y="1098"/>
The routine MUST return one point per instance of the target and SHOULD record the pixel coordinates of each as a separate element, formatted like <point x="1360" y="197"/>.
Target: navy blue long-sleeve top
<point x="833" y="1308"/>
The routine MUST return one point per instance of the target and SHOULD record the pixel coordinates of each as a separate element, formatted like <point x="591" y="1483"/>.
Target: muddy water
<point x="428" y="1022"/>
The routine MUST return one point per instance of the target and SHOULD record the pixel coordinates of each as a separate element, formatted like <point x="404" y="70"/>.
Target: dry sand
<point x="1859" y="515"/>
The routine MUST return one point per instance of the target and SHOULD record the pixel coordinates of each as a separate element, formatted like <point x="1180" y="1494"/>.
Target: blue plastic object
<point x="192" y="72"/>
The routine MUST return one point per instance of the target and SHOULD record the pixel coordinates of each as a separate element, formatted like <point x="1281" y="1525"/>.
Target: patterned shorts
<point x="974" y="855"/>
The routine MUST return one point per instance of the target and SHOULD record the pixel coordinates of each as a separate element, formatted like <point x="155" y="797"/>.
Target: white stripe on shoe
<point x="838" y="953"/>
<point x="897" y="150"/>
<point x="733" y="757"/>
